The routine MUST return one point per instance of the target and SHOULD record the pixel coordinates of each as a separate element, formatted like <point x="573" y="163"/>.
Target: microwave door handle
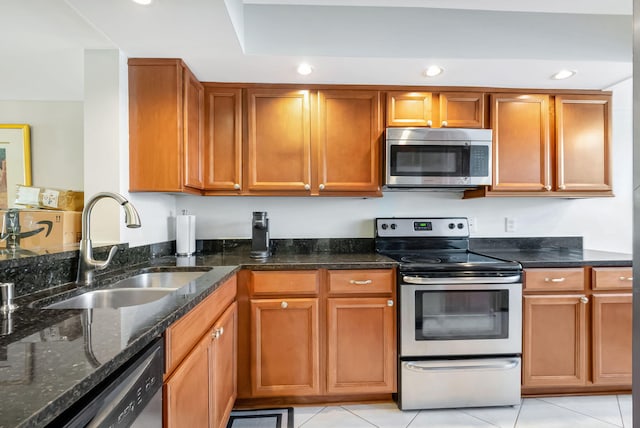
<point x="420" y="280"/>
<point x="505" y="365"/>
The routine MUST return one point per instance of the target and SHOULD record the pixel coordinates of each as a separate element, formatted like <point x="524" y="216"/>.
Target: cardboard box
<point x="49" y="198"/>
<point x="45" y="228"/>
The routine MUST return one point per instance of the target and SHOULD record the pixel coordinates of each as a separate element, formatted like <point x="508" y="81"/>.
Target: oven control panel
<point x="416" y="227"/>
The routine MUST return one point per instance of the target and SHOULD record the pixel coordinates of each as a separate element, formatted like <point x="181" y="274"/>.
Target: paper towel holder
<point x="185" y="235"/>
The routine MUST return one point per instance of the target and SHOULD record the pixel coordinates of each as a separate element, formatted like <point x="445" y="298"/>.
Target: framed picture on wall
<point x="15" y="161"/>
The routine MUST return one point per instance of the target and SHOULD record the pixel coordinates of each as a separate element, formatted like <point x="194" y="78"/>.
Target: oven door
<point x="429" y="163"/>
<point x="460" y="319"/>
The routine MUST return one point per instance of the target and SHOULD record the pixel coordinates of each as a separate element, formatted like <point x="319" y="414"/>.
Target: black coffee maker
<point x="260" y="248"/>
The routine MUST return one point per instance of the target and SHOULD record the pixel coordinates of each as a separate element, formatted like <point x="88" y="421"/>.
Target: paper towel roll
<point x="185" y="235"/>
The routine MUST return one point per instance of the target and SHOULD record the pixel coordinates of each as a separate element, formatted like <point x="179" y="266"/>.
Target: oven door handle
<point x="506" y="365"/>
<point x="420" y="280"/>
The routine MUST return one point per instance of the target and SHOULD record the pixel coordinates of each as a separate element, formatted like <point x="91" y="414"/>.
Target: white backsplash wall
<point x="605" y="223"/>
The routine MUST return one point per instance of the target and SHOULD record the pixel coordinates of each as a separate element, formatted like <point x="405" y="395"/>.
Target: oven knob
<point x="384" y="226"/>
<point x="393" y="226"/>
<point x="460" y="225"/>
<point x="452" y="226"/>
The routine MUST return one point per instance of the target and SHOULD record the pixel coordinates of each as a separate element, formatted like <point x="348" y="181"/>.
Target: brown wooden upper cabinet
<point x="278" y="151"/>
<point x="437" y="110"/>
<point x="348" y="142"/>
<point x="546" y="145"/>
<point x="521" y="142"/>
<point x="222" y="140"/>
<point x="583" y="139"/>
<point x="308" y="142"/>
<point x="165" y="127"/>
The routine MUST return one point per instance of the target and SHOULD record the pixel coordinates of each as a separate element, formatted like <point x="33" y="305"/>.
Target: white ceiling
<point x="501" y="43"/>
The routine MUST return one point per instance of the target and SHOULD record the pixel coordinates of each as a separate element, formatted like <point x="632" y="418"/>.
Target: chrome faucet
<point x="87" y="265"/>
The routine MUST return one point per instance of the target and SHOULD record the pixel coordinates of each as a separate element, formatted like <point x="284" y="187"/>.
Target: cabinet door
<point x="612" y="319"/>
<point x="193" y="130"/>
<point x="285" y="347"/>
<point x="186" y="392"/>
<point x="361" y="346"/>
<point x="349" y="141"/>
<point x="521" y="142"/>
<point x="554" y="340"/>
<point x="278" y="140"/>
<point x="409" y="109"/>
<point x="461" y="110"/>
<point x="223" y="356"/>
<point x="223" y="139"/>
<point x="583" y="135"/>
<point x="155" y="125"/>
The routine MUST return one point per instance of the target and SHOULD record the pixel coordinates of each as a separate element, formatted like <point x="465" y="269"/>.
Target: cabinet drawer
<point x="268" y="283"/>
<point x="183" y="335"/>
<point x="612" y="278"/>
<point x="377" y="281"/>
<point x="562" y="279"/>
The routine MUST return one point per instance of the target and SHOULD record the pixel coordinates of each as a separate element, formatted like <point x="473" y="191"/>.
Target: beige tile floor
<point x="549" y="412"/>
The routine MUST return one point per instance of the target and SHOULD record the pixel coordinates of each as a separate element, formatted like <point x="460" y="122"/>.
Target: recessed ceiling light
<point x="563" y="74"/>
<point x="305" y="69"/>
<point x="143" y="2"/>
<point x="433" y="71"/>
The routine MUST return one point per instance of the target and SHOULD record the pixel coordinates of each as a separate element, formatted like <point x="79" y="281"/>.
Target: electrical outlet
<point x="509" y="224"/>
<point x="473" y="225"/>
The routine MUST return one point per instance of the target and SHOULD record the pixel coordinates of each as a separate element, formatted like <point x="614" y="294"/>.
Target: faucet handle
<point x="101" y="264"/>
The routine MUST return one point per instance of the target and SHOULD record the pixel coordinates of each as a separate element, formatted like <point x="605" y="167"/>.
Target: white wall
<point x="107" y="156"/>
<point x="605" y="223"/>
<point x="56" y="140"/>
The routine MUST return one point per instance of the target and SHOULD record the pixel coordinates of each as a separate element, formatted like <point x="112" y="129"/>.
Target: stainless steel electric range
<point x="459" y="316"/>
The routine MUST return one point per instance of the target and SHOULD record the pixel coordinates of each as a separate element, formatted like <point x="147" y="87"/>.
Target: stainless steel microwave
<point x="437" y="157"/>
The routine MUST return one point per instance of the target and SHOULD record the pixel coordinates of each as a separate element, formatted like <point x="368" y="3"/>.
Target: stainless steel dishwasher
<point x="131" y="398"/>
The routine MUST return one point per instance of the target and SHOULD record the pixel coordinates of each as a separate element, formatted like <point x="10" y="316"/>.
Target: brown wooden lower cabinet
<point x="554" y="341"/>
<point x="200" y="386"/>
<point x="361" y="349"/>
<point x="577" y="330"/>
<point x="612" y="319"/>
<point x="311" y="336"/>
<point x="285" y="358"/>
<point x="223" y="367"/>
<point x="186" y="393"/>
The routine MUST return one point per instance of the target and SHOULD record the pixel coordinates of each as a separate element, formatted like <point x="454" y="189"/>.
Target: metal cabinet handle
<point x="389" y="302"/>
<point x="236" y="186"/>
<point x="217" y="333"/>
<point x="626" y="278"/>
<point x="429" y="123"/>
<point x="584" y="299"/>
<point x="562" y="187"/>
<point x="547" y="187"/>
<point x="321" y="186"/>
<point x="555" y="279"/>
<point x="363" y="282"/>
<point x="284" y="305"/>
<point x="444" y="123"/>
<point x="307" y="187"/>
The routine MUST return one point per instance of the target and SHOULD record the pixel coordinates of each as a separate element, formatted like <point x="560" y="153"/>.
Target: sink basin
<point x="158" y="280"/>
<point x="112" y="298"/>
<point x="144" y="287"/>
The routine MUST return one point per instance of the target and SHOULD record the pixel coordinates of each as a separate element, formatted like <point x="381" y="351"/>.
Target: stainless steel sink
<point x="157" y="280"/>
<point x="112" y="298"/>
<point x="138" y="289"/>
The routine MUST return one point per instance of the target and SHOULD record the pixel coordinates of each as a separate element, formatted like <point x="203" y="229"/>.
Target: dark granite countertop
<point x="559" y="258"/>
<point x="549" y="252"/>
<point x="44" y="368"/>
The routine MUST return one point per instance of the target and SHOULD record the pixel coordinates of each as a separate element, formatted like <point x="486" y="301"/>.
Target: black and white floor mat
<point x="262" y="418"/>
